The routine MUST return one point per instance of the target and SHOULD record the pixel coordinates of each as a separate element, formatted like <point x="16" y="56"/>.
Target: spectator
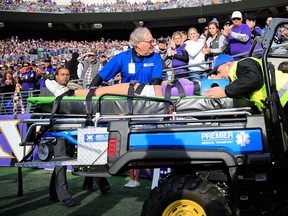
<point x="72" y="66"/>
<point x="162" y="50"/>
<point x="203" y="36"/>
<point x="33" y="53"/>
<point x="27" y="77"/>
<point x="179" y="55"/>
<point x="194" y="47"/>
<point x="90" y="68"/>
<point x="268" y="20"/>
<point x="251" y="22"/>
<point x="7" y="84"/>
<point x="48" y="71"/>
<point x="216" y="44"/>
<point x="255" y="31"/>
<point x="184" y="36"/>
<point x="239" y="36"/>
<point x="103" y="60"/>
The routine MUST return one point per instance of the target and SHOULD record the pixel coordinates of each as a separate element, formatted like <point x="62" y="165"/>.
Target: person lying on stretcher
<point x="122" y="88"/>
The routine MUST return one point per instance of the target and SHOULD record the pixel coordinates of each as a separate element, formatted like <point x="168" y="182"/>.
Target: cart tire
<point x="185" y="195"/>
<point x="45" y="151"/>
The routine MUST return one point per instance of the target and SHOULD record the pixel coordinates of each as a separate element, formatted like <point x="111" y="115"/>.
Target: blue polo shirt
<point x="146" y="68"/>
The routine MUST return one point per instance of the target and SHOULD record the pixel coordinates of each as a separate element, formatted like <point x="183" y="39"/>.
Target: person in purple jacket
<point x="179" y="55"/>
<point x="27" y="77"/>
<point x="255" y="31"/>
<point x="239" y="36"/>
<point x="47" y="70"/>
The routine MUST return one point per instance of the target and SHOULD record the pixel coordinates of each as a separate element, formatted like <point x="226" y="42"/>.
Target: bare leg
<point x="121" y="88"/>
<point x="131" y="174"/>
<point x="137" y="175"/>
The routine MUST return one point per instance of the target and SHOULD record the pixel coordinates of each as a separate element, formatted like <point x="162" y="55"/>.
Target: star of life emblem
<point x="242" y="139"/>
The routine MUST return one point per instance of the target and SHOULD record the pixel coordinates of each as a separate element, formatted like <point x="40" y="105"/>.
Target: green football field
<point x="119" y="201"/>
<point x="35" y="200"/>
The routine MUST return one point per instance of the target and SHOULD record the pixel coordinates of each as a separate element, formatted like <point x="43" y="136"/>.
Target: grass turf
<point x="35" y="200"/>
<point x="119" y="201"/>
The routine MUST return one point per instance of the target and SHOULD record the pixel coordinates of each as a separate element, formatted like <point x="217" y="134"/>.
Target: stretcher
<point x="115" y="105"/>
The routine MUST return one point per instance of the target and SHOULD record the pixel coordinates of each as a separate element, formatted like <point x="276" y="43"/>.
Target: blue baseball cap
<point x="220" y="60"/>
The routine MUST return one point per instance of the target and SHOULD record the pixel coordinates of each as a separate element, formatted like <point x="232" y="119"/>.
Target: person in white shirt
<point x="194" y="47"/>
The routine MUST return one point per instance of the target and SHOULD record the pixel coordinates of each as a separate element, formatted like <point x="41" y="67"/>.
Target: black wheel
<point x="45" y="151"/>
<point x="185" y="195"/>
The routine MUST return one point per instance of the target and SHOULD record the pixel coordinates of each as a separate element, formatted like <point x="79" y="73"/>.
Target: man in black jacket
<point x="249" y="77"/>
<point x="72" y="66"/>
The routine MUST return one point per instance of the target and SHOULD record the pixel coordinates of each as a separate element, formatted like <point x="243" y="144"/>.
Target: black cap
<point x="103" y="55"/>
<point x="47" y="60"/>
<point x="227" y="23"/>
<point x="250" y="16"/>
<point x="162" y="40"/>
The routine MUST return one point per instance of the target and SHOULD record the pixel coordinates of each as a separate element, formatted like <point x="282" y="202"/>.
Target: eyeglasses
<point x="149" y="42"/>
<point x="251" y="20"/>
<point x="236" y="19"/>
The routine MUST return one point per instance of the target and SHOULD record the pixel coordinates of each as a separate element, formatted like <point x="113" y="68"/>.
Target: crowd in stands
<point x="48" y="6"/>
<point x="25" y="64"/>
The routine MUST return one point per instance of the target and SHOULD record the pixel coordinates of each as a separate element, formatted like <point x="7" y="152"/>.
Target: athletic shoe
<point x="129" y="184"/>
<point x="136" y="184"/>
<point x="132" y="184"/>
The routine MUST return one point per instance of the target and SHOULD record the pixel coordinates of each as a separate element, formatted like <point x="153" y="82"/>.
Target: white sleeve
<point x="193" y="48"/>
<point x="54" y="87"/>
<point x="79" y="70"/>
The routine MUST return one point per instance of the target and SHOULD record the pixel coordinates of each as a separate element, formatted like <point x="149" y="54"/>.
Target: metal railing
<point x="16" y="103"/>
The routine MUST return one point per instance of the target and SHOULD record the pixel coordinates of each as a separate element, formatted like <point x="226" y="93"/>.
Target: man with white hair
<point x="139" y="63"/>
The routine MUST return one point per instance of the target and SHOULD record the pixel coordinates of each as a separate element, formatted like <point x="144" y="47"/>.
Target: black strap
<point x="179" y="87"/>
<point x="131" y="88"/>
<point x="140" y="88"/>
<point x="57" y="102"/>
<point x="88" y="100"/>
<point x="168" y="90"/>
<point x="130" y="99"/>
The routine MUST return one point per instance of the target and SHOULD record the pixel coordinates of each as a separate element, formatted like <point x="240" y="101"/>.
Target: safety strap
<point x="130" y="99"/>
<point x="88" y="100"/>
<point x="179" y="87"/>
<point x="140" y="88"/>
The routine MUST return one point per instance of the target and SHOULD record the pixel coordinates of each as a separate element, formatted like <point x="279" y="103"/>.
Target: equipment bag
<point x="181" y="87"/>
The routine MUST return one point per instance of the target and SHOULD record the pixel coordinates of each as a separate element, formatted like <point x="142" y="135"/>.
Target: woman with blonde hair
<point x="179" y="55"/>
